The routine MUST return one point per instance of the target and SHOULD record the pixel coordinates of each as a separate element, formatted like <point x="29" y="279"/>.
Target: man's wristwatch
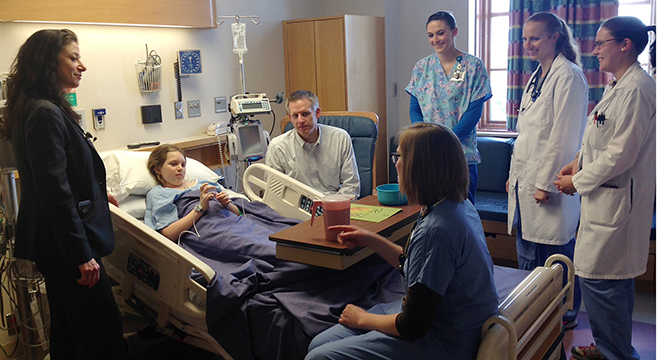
<point x="199" y="209"/>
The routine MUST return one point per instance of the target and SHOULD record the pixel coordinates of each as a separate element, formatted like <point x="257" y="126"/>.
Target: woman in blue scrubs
<point x="446" y="267"/>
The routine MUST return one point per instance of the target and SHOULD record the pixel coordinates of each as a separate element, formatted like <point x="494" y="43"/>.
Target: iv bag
<point x="239" y="38"/>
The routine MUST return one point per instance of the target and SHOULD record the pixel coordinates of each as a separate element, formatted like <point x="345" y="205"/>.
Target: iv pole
<point x="239" y="40"/>
<point x="239" y="31"/>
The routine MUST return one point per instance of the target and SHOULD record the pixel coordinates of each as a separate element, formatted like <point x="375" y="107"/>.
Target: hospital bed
<point x="154" y="275"/>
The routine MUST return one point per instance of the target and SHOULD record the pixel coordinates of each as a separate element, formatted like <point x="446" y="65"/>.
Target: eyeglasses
<point x="395" y="157"/>
<point x="599" y="44"/>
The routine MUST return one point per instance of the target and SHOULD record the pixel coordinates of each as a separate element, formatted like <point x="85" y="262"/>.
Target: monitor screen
<point x="250" y="140"/>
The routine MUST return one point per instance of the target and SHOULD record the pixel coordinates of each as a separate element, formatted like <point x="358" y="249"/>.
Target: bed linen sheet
<point x="259" y="307"/>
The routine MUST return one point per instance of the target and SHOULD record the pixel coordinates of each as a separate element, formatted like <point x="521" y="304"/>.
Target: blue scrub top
<point x="448" y="253"/>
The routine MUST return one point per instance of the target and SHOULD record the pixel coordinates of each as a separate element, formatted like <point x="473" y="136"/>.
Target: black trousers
<point x="85" y="322"/>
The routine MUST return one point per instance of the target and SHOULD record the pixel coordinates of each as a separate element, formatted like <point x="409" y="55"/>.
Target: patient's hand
<point x="205" y="196"/>
<point x="223" y="199"/>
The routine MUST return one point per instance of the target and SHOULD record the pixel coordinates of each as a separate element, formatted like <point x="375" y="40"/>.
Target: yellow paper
<point x="372" y="213"/>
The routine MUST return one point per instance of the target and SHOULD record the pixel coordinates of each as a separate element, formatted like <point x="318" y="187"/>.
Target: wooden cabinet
<point x="342" y="60"/>
<point x="181" y="13"/>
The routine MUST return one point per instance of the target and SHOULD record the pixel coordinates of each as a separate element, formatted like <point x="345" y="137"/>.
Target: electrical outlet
<point x="220" y="104"/>
<point x="178" y="110"/>
<point x="193" y="108"/>
<point x="99" y="118"/>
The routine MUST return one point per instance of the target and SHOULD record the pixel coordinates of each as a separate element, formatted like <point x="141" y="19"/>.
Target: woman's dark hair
<point x="433" y="165"/>
<point x="33" y="75"/>
<point x="566" y="44"/>
<point x="630" y="27"/>
<point x="158" y="157"/>
<point x="443" y="16"/>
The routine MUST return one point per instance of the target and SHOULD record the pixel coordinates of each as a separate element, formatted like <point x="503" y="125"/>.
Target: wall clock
<point x="190" y="62"/>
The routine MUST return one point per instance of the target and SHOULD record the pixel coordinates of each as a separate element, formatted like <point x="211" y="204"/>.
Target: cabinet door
<point x="299" y="47"/>
<point x="330" y="64"/>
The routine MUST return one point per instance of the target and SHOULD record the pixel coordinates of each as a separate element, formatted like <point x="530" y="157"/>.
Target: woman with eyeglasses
<point x="446" y="267"/>
<point x="450" y="87"/>
<point x="615" y="175"/>
<point x="550" y="125"/>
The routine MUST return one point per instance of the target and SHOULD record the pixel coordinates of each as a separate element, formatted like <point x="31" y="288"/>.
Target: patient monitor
<point x="247" y="141"/>
<point x="246" y="138"/>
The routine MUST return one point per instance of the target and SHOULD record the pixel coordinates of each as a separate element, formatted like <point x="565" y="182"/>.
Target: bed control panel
<point x="143" y="271"/>
<point x="305" y="204"/>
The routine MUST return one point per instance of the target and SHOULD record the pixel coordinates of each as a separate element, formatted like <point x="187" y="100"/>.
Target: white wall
<point x="110" y="52"/>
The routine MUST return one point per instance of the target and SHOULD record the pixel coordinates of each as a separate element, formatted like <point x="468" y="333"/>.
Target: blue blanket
<point x="259" y="307"/>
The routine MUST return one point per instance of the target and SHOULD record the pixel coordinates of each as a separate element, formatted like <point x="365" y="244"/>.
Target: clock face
<point x="190" y="61"/>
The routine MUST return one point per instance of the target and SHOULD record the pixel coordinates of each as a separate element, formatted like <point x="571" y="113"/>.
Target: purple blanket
<point x="259" y="307"/>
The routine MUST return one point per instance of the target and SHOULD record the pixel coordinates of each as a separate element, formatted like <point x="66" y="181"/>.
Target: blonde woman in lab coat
<point x="615" y="175"/>
<point x="550" y="124"/>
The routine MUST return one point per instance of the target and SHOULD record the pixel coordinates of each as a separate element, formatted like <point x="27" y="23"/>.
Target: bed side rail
<point x="145" y="261"/>
<point x="287" y="196"/>
<point x="531" y="315"/>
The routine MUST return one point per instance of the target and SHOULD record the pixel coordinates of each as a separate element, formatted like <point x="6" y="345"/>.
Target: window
<point x="492" y="18"/>
<point x="644" y="10"/>
<point x="489" y="32"/>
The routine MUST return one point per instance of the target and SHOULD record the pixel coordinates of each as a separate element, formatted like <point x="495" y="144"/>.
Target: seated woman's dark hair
<point x="443" y="16"/>
<point x="433" y="165"/>
<point x="158" y="157"/>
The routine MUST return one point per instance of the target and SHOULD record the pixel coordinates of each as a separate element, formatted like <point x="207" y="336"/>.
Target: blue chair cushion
<point x="363" y="132"/>
<point x="491" y="206"/>
<point x="493" y="171"/>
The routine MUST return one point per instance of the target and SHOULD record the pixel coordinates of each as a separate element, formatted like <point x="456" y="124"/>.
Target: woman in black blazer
<point x="64" y="223"/>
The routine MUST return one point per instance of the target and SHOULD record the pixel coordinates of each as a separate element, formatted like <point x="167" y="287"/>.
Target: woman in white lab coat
<point x="614" y="173"/>
<point x="551" y="121"/>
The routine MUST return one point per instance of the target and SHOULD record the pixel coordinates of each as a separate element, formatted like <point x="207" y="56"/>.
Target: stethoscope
<point x="535" y="86"/>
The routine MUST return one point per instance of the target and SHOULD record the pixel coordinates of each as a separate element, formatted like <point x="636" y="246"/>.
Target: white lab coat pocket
<point x="601" y="133"/>
<point x="608" y="206"/>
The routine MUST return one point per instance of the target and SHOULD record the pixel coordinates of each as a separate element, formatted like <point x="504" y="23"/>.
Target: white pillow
<point x="134" y="205"/>
<point x="127" y="174"/>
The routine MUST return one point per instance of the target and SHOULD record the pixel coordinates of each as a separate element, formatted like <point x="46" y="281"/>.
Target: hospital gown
<point x="160" y="209"/>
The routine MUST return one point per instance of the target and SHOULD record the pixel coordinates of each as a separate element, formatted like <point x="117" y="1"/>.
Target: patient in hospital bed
<point x="167" y="165"/>
<point x="258" y="307"/>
